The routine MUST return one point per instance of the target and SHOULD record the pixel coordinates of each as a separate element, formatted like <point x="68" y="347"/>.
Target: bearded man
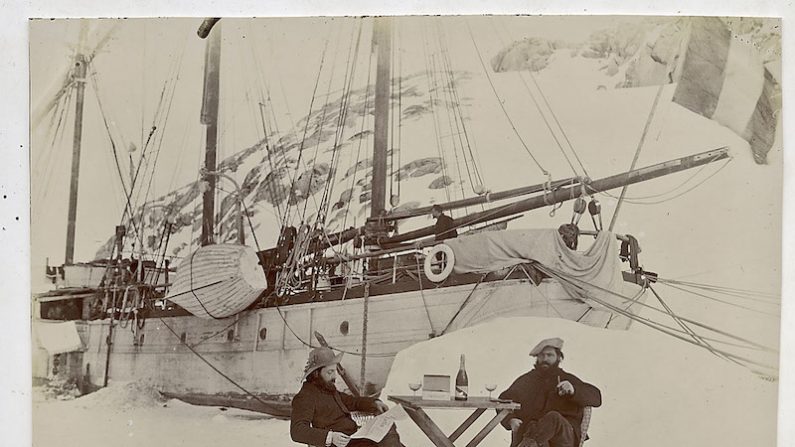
<point x="552" y="401"/>
<point x="321" y="415"/>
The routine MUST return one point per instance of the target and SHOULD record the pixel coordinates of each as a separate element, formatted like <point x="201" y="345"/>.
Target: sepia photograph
<point x="430" y="230"/>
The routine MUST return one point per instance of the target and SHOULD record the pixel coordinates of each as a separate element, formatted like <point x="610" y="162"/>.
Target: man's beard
<point x="546" y="368"/>
<point x="324" y="385"/>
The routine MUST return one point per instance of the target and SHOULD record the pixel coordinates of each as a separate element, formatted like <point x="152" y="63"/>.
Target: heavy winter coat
<point x="444" y="228"/>
<point x="537" y="392"/>
<point x="316" y="411"/>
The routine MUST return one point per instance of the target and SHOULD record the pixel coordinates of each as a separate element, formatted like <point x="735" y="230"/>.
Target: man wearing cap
<point x="321" y="415"/>
<point x="552" y="401"/>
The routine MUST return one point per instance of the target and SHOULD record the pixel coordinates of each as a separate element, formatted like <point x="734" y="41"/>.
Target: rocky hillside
<point x="636" y="54"/>
<point x="323" y="165"/>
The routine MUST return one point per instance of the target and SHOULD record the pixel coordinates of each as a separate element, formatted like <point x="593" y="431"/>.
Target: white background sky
<point x="13" y="173"/>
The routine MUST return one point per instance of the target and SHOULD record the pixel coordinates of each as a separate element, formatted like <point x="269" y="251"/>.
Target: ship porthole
<point x="344" y="327"/>
<point x="263" y="333"/>
<point x="183" y="337"/>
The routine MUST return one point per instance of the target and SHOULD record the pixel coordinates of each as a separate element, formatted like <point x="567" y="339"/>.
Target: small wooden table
<point x="414" y="407"/>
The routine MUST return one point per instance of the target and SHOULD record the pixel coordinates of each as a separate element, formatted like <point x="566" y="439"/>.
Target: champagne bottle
<point x="461" y="382"/>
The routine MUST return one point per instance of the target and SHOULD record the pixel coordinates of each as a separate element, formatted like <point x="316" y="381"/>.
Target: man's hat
<point x="320" y="358"/>
<point x="552" y="342"/>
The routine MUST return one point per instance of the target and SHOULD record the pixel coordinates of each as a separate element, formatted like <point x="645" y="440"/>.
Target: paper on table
<point x="376" y="428"/>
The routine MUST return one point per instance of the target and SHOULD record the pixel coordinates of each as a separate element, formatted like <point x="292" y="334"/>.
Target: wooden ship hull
<point x="264" y="350"/>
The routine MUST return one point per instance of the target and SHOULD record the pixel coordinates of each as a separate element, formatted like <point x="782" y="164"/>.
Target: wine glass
<point x="491" y="387"/>
<point x="415" y="386"/>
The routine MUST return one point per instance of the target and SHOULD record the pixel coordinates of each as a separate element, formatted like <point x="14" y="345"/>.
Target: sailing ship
<point x="232" y="323"/>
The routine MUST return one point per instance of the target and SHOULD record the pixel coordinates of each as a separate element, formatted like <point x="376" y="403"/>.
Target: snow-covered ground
<point x="133" y="415"/>
<point x="656" y="392"/>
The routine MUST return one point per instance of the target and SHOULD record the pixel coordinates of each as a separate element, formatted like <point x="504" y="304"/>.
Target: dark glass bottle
<point x="461" y="382"/>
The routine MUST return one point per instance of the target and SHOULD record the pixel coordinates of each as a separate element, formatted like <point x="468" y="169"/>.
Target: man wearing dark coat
<point x="321" y="415"/>
<point x="444" y="227"/>
<point x="552" y="401"/>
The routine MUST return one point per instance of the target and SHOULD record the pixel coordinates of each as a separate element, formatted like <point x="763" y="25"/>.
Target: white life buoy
<point x="439" y="262"/>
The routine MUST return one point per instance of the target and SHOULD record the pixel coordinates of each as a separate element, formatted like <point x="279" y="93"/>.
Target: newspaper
<point x="376" y="428"/>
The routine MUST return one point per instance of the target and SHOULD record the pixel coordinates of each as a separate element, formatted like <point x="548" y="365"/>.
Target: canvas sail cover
<point x="598" y="265"/>
<point x="57" y="338"/>
<point x="218" y="281"/>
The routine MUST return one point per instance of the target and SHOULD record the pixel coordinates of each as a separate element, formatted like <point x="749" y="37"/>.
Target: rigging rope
<point x="214" y="368"/>
<point x="127" y="194"/>
<point x="668" y="199"/>
<point x="287" y="212"/>
<point x="684" y="336"/>
<point x="637" y="151"/>
<point x="538" y="106"/>
<point x="728" y="303"/>
<point x="459" y="117"/>
<point x="361" y="139"/>
<point x="687" y="328"/>
<point x="740" y="293"/>
<point x="432" y="89"/>
<point x="162" y="134"/>
<point x="502" y="106"/>
<point x="581" y="285"/>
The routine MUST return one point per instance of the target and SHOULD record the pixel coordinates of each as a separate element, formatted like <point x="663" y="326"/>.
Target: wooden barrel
<point x="218" y="281"/>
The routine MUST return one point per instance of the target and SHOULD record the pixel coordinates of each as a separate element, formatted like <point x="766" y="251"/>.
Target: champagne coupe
<point x="491" y="387"/>
<point x="415" y="386"/>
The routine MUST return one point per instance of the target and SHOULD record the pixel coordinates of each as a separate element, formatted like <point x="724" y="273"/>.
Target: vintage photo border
<point x="15" y="404"/>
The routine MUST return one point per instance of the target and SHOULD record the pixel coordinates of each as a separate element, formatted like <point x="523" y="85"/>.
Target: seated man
<point x="321" y="415"/>
<point x="552" y="401"/>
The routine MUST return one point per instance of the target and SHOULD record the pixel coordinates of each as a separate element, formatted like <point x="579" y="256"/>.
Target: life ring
<point x="431" y="265"/>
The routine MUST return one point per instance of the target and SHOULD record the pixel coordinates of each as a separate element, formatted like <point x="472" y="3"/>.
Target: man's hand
<point x="380" y="406"/>
<point x="339" y="439"/>
<point x="565" y="388"/>
<point x="515" y="424"/>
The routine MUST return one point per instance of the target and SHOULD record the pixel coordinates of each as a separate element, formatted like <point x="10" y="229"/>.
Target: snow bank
<point x="172" y="424"/>
<point x="122" y="396"/>
<point x="657" y="391"/>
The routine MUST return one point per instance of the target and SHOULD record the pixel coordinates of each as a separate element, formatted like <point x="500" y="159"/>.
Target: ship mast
<point x="382" y="40"/>
<point x="79" y="78"/>
<point x="79" y="81"/>
<point x="209" y="117"/>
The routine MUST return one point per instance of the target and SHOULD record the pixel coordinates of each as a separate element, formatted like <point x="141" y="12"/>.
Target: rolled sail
<point x="598" y="266"/>
<point x="218" y="281"/>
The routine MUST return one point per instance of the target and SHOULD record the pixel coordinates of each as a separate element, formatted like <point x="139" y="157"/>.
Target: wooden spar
<point x="207" y="26"/>
<point x="79" y="78"/>
<point x="486" y="198"/>
<point x="572" y="192"/>
<point x="637" y="152"/>
<point x="209" y="117"/>
<point x="340" y="369"/>
<point x="382" y="34"/>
